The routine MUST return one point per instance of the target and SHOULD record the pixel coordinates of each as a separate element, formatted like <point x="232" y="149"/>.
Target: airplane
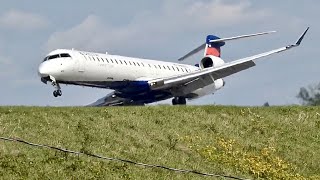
<point x="137" y="81"/>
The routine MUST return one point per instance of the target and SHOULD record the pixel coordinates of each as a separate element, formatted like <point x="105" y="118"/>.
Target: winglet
<point x="301" y="37"/>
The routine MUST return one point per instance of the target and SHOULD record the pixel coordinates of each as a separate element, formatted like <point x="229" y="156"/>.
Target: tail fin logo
<point x="213" y="48"/>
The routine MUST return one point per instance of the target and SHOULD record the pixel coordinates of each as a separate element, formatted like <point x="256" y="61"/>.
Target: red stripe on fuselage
<point x="213" y="51"/>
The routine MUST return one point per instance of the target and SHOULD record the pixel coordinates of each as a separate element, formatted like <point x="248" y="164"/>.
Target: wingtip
<point x="302" y="36"/>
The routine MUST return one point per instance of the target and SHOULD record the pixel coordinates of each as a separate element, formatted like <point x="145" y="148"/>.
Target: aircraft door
<point x="81" y="63"/>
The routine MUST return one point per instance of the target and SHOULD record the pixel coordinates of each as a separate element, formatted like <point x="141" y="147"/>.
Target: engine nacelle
<point x="211" y="61"/>
<point x="218" y="84"/>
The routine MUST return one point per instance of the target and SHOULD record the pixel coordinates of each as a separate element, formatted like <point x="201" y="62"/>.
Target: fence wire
<point x="119" y="159"/>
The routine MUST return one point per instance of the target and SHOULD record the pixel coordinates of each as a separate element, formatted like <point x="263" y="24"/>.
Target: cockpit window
<point x="64" y="55"/>
<point x="54" y="56"/>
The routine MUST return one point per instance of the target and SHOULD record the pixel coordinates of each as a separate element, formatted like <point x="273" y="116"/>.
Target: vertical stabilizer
<point x="213" y="48"/>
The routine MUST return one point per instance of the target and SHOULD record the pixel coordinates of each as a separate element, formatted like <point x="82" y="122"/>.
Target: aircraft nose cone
<point x="43" y="70"/>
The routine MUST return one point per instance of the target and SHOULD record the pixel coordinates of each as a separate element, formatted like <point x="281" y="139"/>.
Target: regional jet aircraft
<point x="137" y="81"/>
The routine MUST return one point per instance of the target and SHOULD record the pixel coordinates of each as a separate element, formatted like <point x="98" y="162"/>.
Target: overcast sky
<point x="163" y="30"/>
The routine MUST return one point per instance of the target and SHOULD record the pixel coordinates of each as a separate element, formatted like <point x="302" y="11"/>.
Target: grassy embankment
<point x="274" y="143"/>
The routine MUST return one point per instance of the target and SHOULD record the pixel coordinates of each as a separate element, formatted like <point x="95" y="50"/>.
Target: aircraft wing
<point x="198" y="79"/>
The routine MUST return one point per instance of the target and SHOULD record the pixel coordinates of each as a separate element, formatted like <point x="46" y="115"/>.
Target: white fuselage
<point x="96" y="69"/>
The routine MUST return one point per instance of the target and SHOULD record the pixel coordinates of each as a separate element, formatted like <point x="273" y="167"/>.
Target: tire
<point x="59" y="93"/>
<point x="182" y="101"/>
<point x="174" y="101"/>
<point x="179" y="101"/>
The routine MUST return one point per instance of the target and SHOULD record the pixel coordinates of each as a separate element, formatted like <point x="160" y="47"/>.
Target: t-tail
<point x="213" y="44"/>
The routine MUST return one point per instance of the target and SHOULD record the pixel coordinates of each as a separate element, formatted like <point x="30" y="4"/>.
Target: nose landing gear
<point x="57" y="92"/>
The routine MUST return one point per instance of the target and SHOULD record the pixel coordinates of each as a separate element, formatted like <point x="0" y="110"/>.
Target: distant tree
<point x="266" y="104"/>
<point x="310" y="95"/>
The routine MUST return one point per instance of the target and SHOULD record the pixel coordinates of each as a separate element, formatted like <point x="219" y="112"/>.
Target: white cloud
<point x="80" y="36"/>
<point x="20" y="20"/>
<point x="208" y="14"/>
<point x="173" y="19"/>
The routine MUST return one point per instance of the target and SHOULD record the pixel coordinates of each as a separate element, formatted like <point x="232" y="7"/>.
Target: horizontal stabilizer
<point x="242" y="36"/>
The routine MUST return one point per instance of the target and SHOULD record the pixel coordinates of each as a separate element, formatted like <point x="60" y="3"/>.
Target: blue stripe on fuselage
<point x="138" y="91"/>
<point x="123" y="86"/>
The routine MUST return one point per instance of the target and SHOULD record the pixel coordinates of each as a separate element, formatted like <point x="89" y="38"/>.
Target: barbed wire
<point x="119" y="159"/>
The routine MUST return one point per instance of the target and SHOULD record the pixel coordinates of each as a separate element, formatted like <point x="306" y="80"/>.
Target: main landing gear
<point x="179" y="101"/>
<point x="57" y="92"/>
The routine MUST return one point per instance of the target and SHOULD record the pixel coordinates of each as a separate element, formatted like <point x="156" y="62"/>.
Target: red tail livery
<point x="213" y="48"/>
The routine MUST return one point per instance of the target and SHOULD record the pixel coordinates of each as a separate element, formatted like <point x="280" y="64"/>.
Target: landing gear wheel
<point x="174" y="101"/>
<point x="57" y="93"/>
<point x="182" y="101"/>
<point x="179" y="101"/>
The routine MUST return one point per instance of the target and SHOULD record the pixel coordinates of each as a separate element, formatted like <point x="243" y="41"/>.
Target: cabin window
<point x="168" y="67"/>
<point x="111" y="60"/>
<point x="120" y="61"/>
<point x="125" y="62"/>
<point x="149" y="65"/>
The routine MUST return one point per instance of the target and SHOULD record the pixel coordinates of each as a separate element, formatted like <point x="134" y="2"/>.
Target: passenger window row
<point x="94" y="57"/>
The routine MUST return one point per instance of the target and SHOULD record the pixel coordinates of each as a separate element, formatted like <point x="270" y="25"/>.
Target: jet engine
<point x="211" y="61"/>
<point x="219" y="83"/>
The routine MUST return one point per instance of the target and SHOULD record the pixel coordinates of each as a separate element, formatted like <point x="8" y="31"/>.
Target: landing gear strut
<point x="57" y="92"/>
<point x="179" y="101"/>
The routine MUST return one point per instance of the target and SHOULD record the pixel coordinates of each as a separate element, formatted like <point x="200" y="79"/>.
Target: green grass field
<point x="266" y="143"/>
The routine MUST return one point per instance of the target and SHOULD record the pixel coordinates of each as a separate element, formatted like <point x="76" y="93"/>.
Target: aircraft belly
<point x="210" y="89"/>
